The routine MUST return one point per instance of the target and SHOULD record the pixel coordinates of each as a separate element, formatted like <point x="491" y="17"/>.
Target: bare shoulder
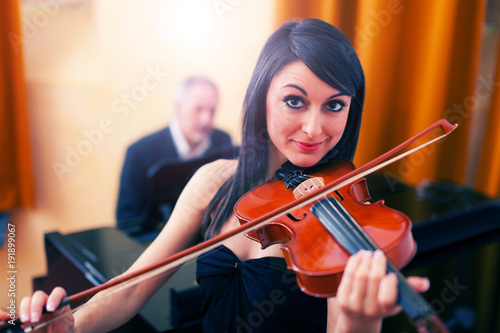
<point x="217" y="171"/>
<point x="206" y="182"/>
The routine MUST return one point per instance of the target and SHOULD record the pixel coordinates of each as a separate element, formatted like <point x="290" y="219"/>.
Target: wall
<point x="100" y="74"/>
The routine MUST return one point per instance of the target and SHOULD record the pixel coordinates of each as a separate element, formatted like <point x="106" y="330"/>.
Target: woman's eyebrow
<point x="296" y="87"/>
<point x="291" y="85"/>
<point x="337" y="94"/>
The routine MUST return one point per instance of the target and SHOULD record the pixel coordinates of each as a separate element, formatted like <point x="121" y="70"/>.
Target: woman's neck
<point x="275" y="160"/>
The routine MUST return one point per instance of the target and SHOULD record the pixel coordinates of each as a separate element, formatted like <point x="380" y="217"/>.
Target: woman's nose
<point x="312" y="124"/>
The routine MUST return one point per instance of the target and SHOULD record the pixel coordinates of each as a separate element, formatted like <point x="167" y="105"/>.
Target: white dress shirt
<point x="182" y="146"/>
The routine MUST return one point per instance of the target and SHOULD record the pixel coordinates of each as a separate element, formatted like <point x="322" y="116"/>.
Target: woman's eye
<point x="336" y="105"/>
<point x="293" y="102"/>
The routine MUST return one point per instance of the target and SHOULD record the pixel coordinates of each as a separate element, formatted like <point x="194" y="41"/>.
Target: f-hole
<point x="295" y="219"/>
<point x="340" y="197"/>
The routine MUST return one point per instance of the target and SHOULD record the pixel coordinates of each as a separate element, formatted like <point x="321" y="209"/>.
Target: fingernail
<point x="378" y="254"/>
<point x="34" y="317"/>
<point x="50" y="307"/>
<point x="427" y="283"/>
<point x="24" y="317"/>
<point x="367" y="255"/>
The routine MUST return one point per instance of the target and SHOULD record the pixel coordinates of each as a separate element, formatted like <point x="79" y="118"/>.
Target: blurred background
<point x="73" y="83"/>
<point x="73" y="96"/>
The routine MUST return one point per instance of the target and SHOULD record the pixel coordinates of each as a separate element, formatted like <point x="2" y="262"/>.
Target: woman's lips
<point x="308" y="147"/>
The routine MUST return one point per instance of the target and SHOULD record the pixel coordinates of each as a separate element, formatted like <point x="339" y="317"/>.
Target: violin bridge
<point x="308" y="186"/>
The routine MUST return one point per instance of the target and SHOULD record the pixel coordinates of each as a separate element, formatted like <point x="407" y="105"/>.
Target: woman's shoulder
<point x="217" y="171"/>
<point x="208" y="179"/>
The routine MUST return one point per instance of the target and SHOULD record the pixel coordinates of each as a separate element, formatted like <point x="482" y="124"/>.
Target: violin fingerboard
<point x="352" y="237"/>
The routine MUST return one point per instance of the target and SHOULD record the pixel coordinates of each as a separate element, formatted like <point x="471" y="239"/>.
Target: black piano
<point x="81" y="260"/>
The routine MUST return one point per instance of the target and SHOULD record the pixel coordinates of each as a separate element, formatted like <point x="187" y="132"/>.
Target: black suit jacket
<point x="140" y="156"/>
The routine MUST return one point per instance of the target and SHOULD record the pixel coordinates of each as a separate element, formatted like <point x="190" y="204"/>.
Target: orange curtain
<point x="420" y="60"/>
<point x="488" y="178"/>
<point x="16" y="179"/>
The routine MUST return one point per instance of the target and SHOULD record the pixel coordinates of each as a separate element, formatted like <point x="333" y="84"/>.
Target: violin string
<point x="365" y="242"/>
<point x="357" y="242"/>
<point x="353" y="225"/>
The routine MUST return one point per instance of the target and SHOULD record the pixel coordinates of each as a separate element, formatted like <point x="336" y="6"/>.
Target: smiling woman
<point x="304" y="124"/>
<point x="297" y="60"/>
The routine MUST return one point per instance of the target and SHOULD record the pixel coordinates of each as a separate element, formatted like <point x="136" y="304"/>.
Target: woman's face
<point x="305" y="116"/>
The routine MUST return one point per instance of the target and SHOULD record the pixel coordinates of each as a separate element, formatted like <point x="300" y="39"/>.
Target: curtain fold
<point x="488" y="177"/>
<point x="16" y="177"/>
<point x="421" y="61"/>
<point x="340" y="13"/>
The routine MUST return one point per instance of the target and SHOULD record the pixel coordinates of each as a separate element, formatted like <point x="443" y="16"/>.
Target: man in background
<point x="190" y="135"/>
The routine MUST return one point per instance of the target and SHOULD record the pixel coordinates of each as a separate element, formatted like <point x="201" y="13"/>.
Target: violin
<point x="319" y="223"/>
<point x="317" y="239"/>
<point x="309" y="248"/>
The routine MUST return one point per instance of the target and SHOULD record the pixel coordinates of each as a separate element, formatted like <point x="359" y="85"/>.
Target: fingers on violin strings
<point x="420" y="284"/>
<point x="360" y="281"/>
<point x="388" y="293"/>
<point x="345" y="286"/>
<point x="353" y="286"/>
<point x="377" y="271"/>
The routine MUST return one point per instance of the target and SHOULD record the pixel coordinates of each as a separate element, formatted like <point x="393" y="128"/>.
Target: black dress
<point x="256" y="295"/>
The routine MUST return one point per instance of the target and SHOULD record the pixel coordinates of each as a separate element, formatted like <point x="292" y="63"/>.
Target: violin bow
<point x="193" y="252"/>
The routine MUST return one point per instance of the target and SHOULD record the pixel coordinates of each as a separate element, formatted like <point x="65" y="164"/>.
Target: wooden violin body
<point x="316" y="257"/>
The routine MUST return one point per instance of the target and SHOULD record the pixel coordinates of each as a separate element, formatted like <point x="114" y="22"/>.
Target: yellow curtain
<point x="420" y="60"/>
<point x="16" y="178"/>
<point x="488" y="178"/>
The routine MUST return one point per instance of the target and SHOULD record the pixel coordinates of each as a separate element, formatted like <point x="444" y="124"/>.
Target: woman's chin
<point x="305" y="162"/>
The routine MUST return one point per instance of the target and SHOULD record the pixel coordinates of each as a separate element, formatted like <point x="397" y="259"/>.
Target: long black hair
<point x="331" y="57"/>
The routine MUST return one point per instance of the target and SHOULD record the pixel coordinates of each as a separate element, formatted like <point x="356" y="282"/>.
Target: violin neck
<point x="420" y="312"/>
<point x="352" y="237"/>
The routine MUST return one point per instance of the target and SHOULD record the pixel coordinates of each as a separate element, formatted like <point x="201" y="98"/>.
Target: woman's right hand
<point x="30" y="311"/>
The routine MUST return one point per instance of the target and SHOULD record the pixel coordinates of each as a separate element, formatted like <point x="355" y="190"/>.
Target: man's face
<point x="196" y="112"/>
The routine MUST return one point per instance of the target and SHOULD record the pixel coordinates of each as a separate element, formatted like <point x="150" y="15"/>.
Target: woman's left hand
<point x="367" y="293"/>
